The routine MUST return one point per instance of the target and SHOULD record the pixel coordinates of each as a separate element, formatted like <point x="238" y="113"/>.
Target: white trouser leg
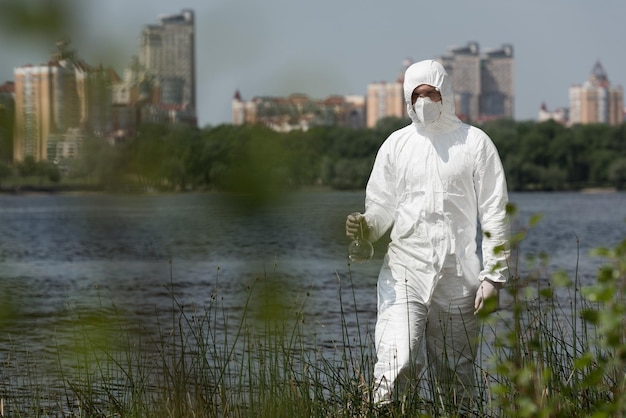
<point x="451" y="337"/>
<point x="399" y="336"/>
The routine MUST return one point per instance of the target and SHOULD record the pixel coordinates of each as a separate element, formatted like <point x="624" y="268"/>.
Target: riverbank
<point x="598" y="190"/>
<point x="59" y="189"/>
<point x="91" y="189"/>
<point x="82" y="188"/>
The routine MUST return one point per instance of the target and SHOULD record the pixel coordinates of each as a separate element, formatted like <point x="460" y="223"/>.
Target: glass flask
<point x="360" y="249"/>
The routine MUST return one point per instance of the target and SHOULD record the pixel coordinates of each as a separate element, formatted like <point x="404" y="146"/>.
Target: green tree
<point x="385" y="126"/>
<point x="5" y="172"/>
<point x="252" y="159"/>
<point x="28" y="167"/>
<point x="7" y="116"/>
<point x="147" y="153"/>
<point x="100" y="163"/>
<point x="617" y="173"/>
<point x="51" y="171"/>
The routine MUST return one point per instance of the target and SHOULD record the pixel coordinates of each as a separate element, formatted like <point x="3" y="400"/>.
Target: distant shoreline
<point x="64" y="189"/>
<point x="598" y="190"/>
<point x="26" y="190"/>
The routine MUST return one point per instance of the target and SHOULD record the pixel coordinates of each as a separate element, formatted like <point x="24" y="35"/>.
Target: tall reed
<point x="556" y="349"/>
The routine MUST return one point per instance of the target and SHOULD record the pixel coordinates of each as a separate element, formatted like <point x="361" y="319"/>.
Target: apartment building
<point x="497" y="84"/>
<point x="130" y="93"/>
<point x="463" y="67"/>
<point x="596" y="101"/>
<point x="483" y="82"/>
<point x="167" y="52"/>
<point x="386" y="99"/>
<point x="55" y="97"/>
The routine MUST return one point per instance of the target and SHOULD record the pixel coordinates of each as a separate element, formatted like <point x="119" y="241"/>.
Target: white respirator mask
<point x="425" y="111"/>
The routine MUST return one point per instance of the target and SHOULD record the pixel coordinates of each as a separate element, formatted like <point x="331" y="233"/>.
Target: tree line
<point x="538" y="156"/>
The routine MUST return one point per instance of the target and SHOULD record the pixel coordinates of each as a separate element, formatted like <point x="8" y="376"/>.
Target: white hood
<point x="434" y="74"/>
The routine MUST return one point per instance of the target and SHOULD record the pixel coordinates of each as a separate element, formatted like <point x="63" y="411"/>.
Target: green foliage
<point x="616" y="173"/>
<point x="28" y="167"/>
<point x="7" y="117"/>
<point x="549" y="156"/>
<point x="560" y="350"/>
<point x="99" y="162"/>
<point x="385" y="126"/>
<point x="255" y="161"/>
<point x="5" y="171"/>
<point x="46" y="19"/>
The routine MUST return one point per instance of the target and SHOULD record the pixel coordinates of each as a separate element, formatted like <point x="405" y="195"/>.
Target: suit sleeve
<point x="492" y="198"/>
<point x="380" y="197"/>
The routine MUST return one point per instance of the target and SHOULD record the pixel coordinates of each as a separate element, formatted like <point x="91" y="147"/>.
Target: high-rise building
<point x="596" y="101"/>
<point x="167" y="52"/>
<point x="463" y="67"/>
<point x="497" y="89"/>
<point x="130" y="93"/>
<point x="386" y="99"/>
<point x="57" y="97"/>
<point x="483" y="83"/>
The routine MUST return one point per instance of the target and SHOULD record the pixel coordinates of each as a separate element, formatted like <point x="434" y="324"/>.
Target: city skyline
<point x="280" y="48"/>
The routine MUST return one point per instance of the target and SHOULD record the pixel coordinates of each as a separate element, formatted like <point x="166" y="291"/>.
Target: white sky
<point x="323" y="47"/>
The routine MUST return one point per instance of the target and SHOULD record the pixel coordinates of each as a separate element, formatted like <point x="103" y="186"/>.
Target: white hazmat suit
<point x="432" y="182"/>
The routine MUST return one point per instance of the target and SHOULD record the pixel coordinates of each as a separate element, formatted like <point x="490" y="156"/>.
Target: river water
<point x="58" y="252"/>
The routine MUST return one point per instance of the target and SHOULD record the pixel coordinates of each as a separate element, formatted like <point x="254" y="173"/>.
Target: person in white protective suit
<point x="432" y="182"/>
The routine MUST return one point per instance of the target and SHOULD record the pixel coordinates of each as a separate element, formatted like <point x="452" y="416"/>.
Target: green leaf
<point x="561" y="279"/>
<point x="583" y="362"/>
<point x="534" y="220"/>
<point x="590" y="315"/>
<point x="511" y="209"/>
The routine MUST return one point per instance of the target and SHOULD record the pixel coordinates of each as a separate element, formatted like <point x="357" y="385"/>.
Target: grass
<point x="557" y="349"/>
